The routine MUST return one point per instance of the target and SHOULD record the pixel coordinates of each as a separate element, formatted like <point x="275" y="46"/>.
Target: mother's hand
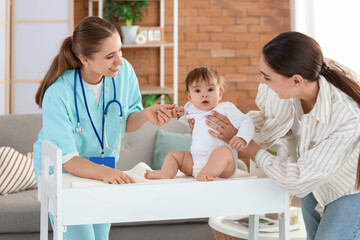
<point x="226" y="130"/>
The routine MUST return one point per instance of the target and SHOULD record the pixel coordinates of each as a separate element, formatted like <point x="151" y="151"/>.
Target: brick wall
<point x="226" y="35"/>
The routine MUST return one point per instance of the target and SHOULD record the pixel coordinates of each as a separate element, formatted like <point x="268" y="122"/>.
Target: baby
<point x="209" y="157"/>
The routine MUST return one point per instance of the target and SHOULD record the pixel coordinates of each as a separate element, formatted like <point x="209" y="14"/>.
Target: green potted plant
<point x="127" y="12"/>
<point x="152" y="99"/>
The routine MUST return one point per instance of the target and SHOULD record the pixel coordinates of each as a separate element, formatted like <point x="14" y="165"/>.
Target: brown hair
<point x="293" y="53"/>
<point x="201" y="74"/>
<point x="86" y="40"/>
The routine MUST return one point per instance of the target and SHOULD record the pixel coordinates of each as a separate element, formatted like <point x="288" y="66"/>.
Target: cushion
<point x="20" y="213"/>
<point x="167" y="141"/>
<point x="16" y="171"/>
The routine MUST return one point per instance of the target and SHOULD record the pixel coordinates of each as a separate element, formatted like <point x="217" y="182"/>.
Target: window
<point x="334" y="25"/>
<point x="31" y="33"/>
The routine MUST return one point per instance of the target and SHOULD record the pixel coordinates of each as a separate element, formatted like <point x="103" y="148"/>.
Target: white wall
<point x="2" y="99"/>
<point x="335" y="26"/>
<point x="2" y="68"/>
<point x="2" y="56"/>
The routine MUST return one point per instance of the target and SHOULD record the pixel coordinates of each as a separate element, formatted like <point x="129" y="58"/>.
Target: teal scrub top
<point x="60" y="120"/>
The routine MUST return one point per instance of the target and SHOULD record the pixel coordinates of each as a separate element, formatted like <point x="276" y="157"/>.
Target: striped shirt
<point x="327" y="151"/>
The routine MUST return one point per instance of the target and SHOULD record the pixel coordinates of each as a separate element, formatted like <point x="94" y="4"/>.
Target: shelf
<point x="147" y="45"/>
<point x="161" y="45"/>
<point x="156" y="90"/>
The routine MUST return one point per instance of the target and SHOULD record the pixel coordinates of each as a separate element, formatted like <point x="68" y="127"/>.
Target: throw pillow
<point x="16" y="171"/>
<point x="167" y="141"/>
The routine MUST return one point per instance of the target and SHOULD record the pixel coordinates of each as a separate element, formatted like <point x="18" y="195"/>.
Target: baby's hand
<point x="178" y="112"/>
<point x="237" y="143"/>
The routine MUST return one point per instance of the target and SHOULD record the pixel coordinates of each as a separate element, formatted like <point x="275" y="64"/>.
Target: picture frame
<point x="151" y="35"/>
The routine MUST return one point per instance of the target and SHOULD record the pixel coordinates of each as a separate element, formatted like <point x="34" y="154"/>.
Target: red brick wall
<point x="226" y="35"/>
<point x="81" y="10"/>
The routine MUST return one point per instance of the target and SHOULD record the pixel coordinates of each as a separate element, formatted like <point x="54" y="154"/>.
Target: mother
<point x="313" y="103"/>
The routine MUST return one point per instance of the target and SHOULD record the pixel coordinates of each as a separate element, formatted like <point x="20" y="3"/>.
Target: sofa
<point x="20" y="211"/>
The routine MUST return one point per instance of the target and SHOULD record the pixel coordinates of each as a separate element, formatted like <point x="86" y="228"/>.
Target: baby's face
<point x="205" y="96"/>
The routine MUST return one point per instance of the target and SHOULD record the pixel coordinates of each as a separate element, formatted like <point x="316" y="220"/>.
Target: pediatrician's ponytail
<point x="63" y="61"/>
<point x="86" y="40"/>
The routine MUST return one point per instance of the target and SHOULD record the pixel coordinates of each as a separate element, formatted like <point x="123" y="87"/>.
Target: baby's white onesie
<point x="203" y="143"/>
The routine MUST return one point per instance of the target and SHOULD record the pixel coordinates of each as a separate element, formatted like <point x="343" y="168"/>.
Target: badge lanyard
<point x="108" y="161"/>
<point x="101" y="141"/>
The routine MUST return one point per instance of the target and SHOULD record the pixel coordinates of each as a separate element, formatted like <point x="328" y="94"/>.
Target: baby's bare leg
<point x="221" y="164"/>
<point x="174" y="161"/>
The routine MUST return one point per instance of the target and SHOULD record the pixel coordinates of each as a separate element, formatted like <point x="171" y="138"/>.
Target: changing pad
<point x="137" y="173"/>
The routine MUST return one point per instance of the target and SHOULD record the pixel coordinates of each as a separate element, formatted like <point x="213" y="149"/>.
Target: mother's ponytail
<point x="86" y="41"/>
<point x="344" y="80"/>
<point x="63" y="61"/>
<point x="293" y="53"/>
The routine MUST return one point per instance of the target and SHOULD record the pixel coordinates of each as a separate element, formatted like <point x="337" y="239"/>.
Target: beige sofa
<point x="20" y="212"/>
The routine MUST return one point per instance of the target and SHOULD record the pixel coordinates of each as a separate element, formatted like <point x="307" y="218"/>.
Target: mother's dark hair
<point x="293" y="53"/>
<point x="86" y="40"/>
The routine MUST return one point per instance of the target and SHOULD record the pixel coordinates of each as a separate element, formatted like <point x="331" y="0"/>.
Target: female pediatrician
<point x="89" y="98"/>
<point x="316" y="103"/>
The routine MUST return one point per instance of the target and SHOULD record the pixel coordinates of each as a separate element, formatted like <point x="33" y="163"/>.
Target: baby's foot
<point x="157" y="174"/>
<point x="204" y="177"/>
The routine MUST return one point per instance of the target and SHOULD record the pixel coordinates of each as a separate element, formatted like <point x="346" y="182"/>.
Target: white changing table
<point x="91" y="205"/>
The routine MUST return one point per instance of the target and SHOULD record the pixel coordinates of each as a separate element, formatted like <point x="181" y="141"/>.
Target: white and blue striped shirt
<point x="328" y="148"/>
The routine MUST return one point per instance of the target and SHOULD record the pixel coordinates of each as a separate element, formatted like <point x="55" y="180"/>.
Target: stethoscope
<point x="79" y="128"/>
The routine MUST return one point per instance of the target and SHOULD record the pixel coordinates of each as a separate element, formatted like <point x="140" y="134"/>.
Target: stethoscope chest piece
<point x="79" y="129"/>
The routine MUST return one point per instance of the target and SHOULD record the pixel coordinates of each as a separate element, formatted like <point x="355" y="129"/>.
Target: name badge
<point x="106" y="161"/>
